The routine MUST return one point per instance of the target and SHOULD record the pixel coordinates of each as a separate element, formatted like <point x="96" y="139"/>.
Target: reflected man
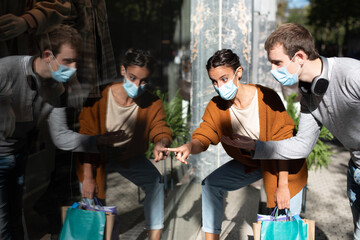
<point x="27" y="84"/>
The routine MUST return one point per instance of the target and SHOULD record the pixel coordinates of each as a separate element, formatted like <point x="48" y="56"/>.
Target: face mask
<point x="63" y="73"/>
<point x="131" y="89"/>
<point x="283" y="76"/>
<point x="228" y="90"/>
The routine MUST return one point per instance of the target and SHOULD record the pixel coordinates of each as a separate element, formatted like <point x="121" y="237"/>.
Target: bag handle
<point x="275" y="213"/>
<point x="98" y="202"/>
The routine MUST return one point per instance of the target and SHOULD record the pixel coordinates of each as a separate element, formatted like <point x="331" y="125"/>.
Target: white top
<point x="120" y="117"/>
<point x="246" y="121"/>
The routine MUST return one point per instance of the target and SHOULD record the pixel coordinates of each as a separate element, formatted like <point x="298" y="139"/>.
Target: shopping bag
<point x="283" y="230"/>
<point x="95" y="205"/>
<point x="110" y="211"/>
<point x="82" y="224"/>
<point x="310" y="229"/>
<point x="110" y="215"/>
<point x="293" y="228"/>
<point x="257" y="230"/>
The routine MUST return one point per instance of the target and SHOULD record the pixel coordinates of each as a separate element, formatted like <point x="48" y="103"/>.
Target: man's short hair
<point x="293" y="37"/>
<point x="64" y="34"/>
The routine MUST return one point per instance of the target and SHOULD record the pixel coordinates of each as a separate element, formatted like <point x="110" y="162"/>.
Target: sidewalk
<point x="327" y="202"/>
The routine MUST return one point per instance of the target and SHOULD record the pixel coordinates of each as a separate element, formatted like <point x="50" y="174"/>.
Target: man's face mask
<point x="63" y="73"/>
<point x="228" y="90"/>
<point x="131" y="89"/>
<point x="283" y="76"/>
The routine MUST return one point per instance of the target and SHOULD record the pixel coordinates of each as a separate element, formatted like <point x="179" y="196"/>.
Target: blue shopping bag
<point x="83" y="225"/>
<point x="280" y="230"/>
<point x="294" y="229"/>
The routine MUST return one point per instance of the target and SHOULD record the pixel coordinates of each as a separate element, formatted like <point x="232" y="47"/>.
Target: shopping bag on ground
<point x="82" y="224"/>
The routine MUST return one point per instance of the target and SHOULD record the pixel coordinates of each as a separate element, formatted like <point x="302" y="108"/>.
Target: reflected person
<point x="128" y="106"/>
<point x="330" y="97"/>
<point x="254" y="111"/>
<point x="27" y="84"/>
<point x="30" y="87"/>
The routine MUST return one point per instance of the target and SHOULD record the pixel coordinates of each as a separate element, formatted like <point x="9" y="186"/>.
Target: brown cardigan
<point x="150" y="126"/>
<point x="275" y="124"/>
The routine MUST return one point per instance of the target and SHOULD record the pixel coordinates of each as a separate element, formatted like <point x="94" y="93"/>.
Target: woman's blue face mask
<point x="228" y="90"/>
<point x="131" y="89"/>
<point x="283" y="76"/>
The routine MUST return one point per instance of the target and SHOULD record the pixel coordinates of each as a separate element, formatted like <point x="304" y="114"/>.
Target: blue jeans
<point x="353" y="192"/>
<point x="143" y="173"/>
<point x="229" y="177"/>
<point x="12" y="170"/>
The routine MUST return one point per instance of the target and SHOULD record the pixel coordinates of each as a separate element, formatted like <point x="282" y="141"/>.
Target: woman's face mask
<point x="283" y="76"/>
<point x="131" y="88"/>
<point x="228" y="90"/>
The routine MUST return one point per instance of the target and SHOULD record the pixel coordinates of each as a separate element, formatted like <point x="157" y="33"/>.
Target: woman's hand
<point x="88" y="188"/>
<point x="160" y="150"/>
<point x="282" y="197"/>
<point x="182" y="153"/>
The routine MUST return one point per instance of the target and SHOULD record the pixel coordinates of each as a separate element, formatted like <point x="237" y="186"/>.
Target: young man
<point x="330" y="89"/>
<point x="28" y="85"/>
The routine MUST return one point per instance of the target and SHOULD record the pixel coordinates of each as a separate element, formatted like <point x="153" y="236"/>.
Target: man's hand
<point x="282" y="197"/>
<point x="239" y="141"/>
<point x="110" y="138"/>
<point x="11" y="26"/>
<point x="182" y="153"/>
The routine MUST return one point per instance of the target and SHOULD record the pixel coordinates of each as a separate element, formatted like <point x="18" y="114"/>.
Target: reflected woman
<point x="254" y="111"/>
<point x="128" y="106"/>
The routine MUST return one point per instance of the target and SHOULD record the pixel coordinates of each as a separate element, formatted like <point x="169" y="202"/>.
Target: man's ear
<point x="47" y="55"/>
<point x="301" y="56"/>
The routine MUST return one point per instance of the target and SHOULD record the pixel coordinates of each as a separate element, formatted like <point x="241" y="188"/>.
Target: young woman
<point x="129" y="107"/>
<point x="254" y="111"/>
